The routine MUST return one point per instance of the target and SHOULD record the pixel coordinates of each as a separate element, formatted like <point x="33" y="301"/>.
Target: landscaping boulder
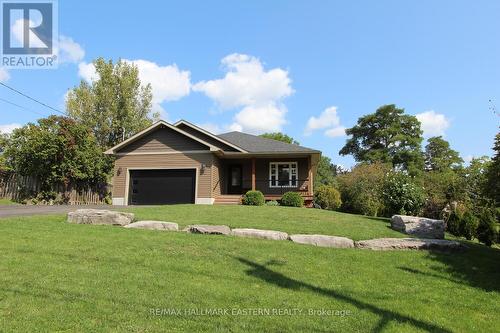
<point x="99" y="216"/>
<point x="323" y="240"/>
<point x="257" y="233"/>
<point x="154" y="225"/>
<point x="418" y="226"/>
<point x="409" y="244"/>
<point x="208" y="229"/>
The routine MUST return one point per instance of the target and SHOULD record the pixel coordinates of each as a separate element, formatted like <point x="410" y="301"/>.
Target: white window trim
<point x="289" y="175"/>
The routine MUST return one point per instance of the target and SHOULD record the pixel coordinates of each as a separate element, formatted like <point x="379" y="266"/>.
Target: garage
<point x="162" y="187"/>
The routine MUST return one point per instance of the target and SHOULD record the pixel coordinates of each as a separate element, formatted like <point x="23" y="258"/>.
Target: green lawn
<point x="56" y="276"/>
<point x="6" y="202"/>
<point x="291" y="220"/>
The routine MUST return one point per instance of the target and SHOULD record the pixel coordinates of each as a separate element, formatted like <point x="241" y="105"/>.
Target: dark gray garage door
<point x="161" y="187"/>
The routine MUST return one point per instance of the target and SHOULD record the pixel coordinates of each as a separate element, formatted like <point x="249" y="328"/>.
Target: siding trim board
<point x="156" y="125"/>
<point x="165" y="152"/>
<point x="201" y="130"/>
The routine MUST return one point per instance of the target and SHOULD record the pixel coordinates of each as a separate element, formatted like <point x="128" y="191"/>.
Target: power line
<point x="21" y="107"/>
<point x="31" y="98"/>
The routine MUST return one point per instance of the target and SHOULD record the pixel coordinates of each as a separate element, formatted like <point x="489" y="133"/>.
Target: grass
<point x="288" y="219"/>
<point x="56" y="276"/>
<point x="6" y="202"/>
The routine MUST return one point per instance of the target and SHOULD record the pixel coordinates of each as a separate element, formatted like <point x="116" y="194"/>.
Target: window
<point x="283" y="174"/>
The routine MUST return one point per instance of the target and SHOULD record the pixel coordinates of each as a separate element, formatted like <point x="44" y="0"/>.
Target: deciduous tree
<point x="280" y="137"/>
<point x="114" y="105"/>
<point x="57" y="150"/>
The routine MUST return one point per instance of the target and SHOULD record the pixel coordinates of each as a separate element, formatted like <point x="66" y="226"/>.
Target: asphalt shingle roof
<point x="257" y="144"/>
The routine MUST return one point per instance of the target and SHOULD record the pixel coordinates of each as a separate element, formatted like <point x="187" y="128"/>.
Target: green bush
<point x="468" y="226"/>
<point x="327" y="197"/>
<point x="486" y="230"/>
<point x="272" y="203"/>
<point x="401" y="195"/>
<point x="292" y="199"/>
<point x="360" y="189"/>
<point x="453" y="223"/>
<point x="253" y="198"/>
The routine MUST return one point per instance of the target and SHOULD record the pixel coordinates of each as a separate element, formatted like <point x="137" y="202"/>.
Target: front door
<point x="235" y="179"/>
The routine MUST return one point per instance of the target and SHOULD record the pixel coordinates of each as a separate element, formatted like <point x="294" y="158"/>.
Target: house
<point x="183" y="163"/>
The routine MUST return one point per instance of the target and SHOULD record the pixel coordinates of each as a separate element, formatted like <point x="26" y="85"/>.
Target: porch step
<point x="227" y="199"/>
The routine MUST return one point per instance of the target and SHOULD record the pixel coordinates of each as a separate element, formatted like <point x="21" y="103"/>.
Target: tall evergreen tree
<point x="439" y="156"/>
<point x="388" y="136"/>
<point x="493" y="173"/>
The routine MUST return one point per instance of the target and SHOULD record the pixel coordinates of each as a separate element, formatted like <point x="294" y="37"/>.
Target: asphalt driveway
<point x="24" y="210"/>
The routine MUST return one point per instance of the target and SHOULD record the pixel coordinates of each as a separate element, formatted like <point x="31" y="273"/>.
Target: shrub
<point x="327" y="197"/>
<point x="453" y="223"/>
<point x="292" y="199"/>
<point x="486" y="230"/>
<point x="441" y="189"/>
<point x="468" y="226"/>
<point x="401" y="195"/>
<point x="272" y="203"/>
<point x="360" y="188"/>
<point x="253" y="198"/>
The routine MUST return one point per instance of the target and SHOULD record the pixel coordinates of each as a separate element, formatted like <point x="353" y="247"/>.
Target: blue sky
<point x="307" y="68"/>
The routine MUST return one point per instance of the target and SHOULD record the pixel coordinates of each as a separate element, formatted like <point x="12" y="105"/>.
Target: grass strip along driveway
<point x="56" y="276"/>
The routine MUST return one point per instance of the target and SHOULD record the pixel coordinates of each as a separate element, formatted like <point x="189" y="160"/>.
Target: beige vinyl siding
<point x="163" y="139"/>
<point x="206" y="138"/>
<point x="167" y="161"/>
<point x="217" y="177"/>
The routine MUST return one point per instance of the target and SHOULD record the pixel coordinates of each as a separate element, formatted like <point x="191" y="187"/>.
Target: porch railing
<point x="277" y="187"/>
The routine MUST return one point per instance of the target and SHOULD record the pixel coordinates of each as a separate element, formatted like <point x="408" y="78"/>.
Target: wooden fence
<point x="17" y="188"/>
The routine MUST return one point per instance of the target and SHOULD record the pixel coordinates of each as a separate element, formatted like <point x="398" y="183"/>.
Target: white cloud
<point x="69" y="50"/>
<point x="87" y="71"/>
<point x="335" y="132"/>
<point x="329" y="120"/>
<point x="8" y="128"/>
<point x="433" y="124"/>
<point x="249" y="86"/>
<point x="259" y="119"/>
<point x="246" y="83"/>
<point x="168" y="83"/>
<point x="4" y="74"/>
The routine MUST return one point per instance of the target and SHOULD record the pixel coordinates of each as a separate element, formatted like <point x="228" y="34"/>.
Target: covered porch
<point x="273" y="176"/>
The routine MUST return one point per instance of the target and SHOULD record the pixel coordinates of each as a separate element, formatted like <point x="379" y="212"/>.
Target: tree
<point x="278" y="136"/>
<point x="439" y="156"/>
<point x="475" y="181"/>
<point x="114" y="105"/>
<point x="493" y="174"/>
<point x="326" y="172"/>
<point x="57" y="150"/>
<point x="3" y="143"/>
<point x="387" y="136"/>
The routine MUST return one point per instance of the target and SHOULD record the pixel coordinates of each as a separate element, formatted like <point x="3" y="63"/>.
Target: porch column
<point x="311" y="181"/>
<point x="253" y="174"/>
